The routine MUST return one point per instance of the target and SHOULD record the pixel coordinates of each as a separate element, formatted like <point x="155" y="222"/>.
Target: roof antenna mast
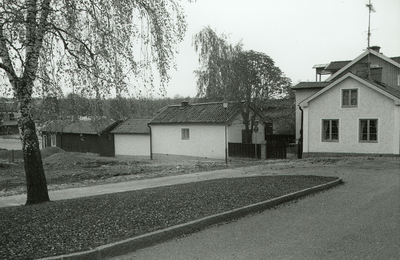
<point x="371" y="9"/>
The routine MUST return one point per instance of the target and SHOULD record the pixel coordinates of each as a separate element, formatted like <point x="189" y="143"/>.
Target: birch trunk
<point x="36" y="185"/>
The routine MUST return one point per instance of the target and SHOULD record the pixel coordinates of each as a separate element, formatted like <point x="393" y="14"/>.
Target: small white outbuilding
<point x="199" y="130"/>
<point x="132" y="138"/>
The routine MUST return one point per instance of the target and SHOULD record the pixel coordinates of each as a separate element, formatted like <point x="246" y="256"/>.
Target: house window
<point x="368" y="130"/>
<point x="185" y="133"/>
<point x="398" y="80"/>
<point x="349" y="98"/>
<point x="330" y="130"/>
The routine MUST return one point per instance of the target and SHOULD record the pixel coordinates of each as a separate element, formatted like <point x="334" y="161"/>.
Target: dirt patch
<point x="67" y="169"/>
<point x="64" y="159"/>
<point x="49" y="151"/>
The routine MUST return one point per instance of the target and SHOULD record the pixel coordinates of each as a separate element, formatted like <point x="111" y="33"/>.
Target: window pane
<point x="369" y="130"/>
<point x="364" y="137"/>
<point x="185" y="134"/>
<point x="346" y="97"/>
<point x="363" y="130"/>
<point x="373" y="130"/>
<point x="326" y="134"/>
<point x="330" y="130"/>
<point x="353" y="100"/>
<point x="335" y="129"/>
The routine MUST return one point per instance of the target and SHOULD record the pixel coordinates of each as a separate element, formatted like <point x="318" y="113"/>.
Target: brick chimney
<point x="375" y="48"/>
<point x="184" y="104"/>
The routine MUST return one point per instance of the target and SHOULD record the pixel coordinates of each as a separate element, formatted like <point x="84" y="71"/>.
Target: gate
<point x="277" y="145"/>
<point x="276" y="150"/>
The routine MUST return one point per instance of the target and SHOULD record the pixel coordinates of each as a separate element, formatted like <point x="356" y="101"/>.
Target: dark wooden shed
<point x="81" y="136"/>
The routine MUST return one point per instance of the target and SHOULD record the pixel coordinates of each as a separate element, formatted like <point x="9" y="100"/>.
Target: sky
<point x="296" y="34"/>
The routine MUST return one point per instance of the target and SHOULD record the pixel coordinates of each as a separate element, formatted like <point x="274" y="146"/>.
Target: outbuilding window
<point x="185" y="133"/>
<point x="330" y="130"/>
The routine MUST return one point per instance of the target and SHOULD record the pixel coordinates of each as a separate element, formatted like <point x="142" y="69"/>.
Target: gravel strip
<point x="63" y="227"/>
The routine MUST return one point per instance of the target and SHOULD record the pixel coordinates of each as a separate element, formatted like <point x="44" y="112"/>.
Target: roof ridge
<point x="340" y="61"/>
<point x="209" y="112"/>
<point x="203" y="103"/>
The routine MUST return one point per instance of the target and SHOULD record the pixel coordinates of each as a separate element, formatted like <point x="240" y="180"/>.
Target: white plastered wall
<point x="371" y="105"/>
<point x="301" y="94"/>
<point x="132" y="144"/>
<point x="204" y="141"/>
<point x="396" y="131"/>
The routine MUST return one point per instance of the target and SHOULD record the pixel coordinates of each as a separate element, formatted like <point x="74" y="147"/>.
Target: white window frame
<point x="185" y="133"/>
<point x="330" y="139"/>
<point x="350" y="90"/>
<point x="368" y="130"/>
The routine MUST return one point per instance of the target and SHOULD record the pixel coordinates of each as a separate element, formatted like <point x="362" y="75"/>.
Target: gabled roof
<point x="275" y="104"/>
<point x="209" y="113"/>
<point x="311" y="85"/>
<point x="348" y="65"/>
<point x="133" y="126"/>
<point x="79" y="127"/>
<point x="379" y="87"/>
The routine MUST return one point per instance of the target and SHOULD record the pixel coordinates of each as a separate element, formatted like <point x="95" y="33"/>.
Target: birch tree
<point x="228" y="71"/>
<point x="215" y="54"/>
<point x="96" y="45"/>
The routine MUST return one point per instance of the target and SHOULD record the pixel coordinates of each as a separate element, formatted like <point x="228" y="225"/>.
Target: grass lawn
<point x="62" y="227"/>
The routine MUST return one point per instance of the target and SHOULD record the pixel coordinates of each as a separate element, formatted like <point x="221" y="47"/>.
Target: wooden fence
<point x="273" y="150"/>
<point x="244" y="150"/>
<point x="281" y="138"/>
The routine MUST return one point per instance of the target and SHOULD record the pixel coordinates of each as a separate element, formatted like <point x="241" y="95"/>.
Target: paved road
<point x="357" y="220"/>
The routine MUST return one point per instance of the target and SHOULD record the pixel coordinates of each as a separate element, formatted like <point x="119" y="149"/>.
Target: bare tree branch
<point x="4" y="55"/>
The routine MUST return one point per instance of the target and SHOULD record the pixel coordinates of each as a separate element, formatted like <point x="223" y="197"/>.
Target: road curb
<point x="156" y="237"/>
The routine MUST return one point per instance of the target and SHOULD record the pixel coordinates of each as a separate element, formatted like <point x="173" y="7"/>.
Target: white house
<point x="198" y="130"/>
<point x="132" y="138"/>
<point x="356" y="110"/>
